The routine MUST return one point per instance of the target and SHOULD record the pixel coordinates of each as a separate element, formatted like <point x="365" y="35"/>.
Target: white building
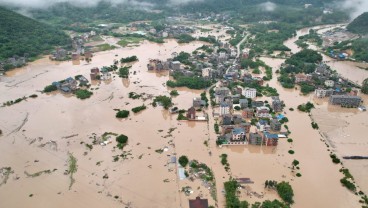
<point x="321" y="93"/>
<point x="224" y="109"/>
<point x="165" y="34"/>
<point x="206" y="72"/>
<point x="329" y="83"/>
<point x="250" y="92"/>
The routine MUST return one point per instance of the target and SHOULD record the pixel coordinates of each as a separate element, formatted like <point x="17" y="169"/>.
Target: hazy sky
<point x="355" y="6"/>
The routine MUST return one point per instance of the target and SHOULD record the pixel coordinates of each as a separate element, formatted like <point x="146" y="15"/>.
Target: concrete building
<point x="302" y="78"/>
<point x="270" y="139"/>
<point x="275" y="125"/>
<point x="329" y="83"/>
<point x="321" y="93"/>
<point x="250" y="93"/>
<point x="224" y="108"/>
<point x="277" y="104"/>
<point x="255" y="139"/>
<point x="198" y="103"/>
<point x="247" y="113"/>
<point x="345" y="100"/>
<point x="175" y="65"/>
<point x="263" y="112"/>
<point x="206" y="72"/>
<point x="243" y="103"/>
<point x="191" y="113"/>
<point x="238" y="134"/>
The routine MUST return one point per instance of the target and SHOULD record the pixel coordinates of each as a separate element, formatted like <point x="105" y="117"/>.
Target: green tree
<point x="183" y="160"/>
<point x="285" y="191"/>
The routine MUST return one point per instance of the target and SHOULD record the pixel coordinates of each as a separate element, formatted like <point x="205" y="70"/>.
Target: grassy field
<point x="129" y="40"/>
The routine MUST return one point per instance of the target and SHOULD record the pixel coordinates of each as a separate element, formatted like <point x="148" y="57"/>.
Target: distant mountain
<point x="359" y="25"/>
<point x="20" y="35"/>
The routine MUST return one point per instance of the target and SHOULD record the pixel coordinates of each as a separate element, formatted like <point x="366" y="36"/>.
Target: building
<point x="257" y="104"/>
<point x="191" y="113"/>
<point x="302" y="78"/>
<point x="247" y="113"/>
<point x="222" y="91"/>
<point x="226" y="120"/>
<point x="250" y="92"/>
<point x="198" y="203"/>
<point x="255" y="139"/>
<point x="224" y="108"/>
<point x="275" y="125"/>
<point x="263" y="112"/>
<point x="345" y="100"/>
<point x="246" y="126"/>
<point x="238" y="134"/>
<point x="262" y="125"/>
<point x="243" y="103"/>
<point x="175" y="65"/>
<point x="206" y="72"/>
<point x="270" y="139"/>
<point x="237" y="119"/>
<point x="198" y="103"/>
<point x="277" y="104"/>
<point x="321" y="93"/>
<point x="329" y="83"/>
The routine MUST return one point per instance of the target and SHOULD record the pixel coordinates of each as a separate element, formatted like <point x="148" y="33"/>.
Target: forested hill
<point x="20" y="35"/>
<point x="359" y="25"/>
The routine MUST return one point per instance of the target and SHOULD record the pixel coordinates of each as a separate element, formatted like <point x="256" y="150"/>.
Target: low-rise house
<point x="246" y="126"/>
<point x="224" y="108"/>
<point x="255" y="139"/>
<point x="259" y="80"/>
<point x="270" y="139"/>
<point x="329" y="83"/>
<point x="345" y="100"/>
<point x="250" y="92"/>
<point x="198" y="203"/>
<point x="191" y="113"/>
<point x="247" y="113"/>
<point x="263" y="112"/>
<point x="275" y="125"/>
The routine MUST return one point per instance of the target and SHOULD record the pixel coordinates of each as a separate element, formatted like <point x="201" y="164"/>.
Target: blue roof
<point x="238" y="131"/>
<point x="271" y="136"/>
<point x="262" y="122"/>
<point x="280" y="116"/>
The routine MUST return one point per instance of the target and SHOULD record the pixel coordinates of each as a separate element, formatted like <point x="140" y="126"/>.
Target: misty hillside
<point x="359" y="25"/>
<point x="20" y="35"/>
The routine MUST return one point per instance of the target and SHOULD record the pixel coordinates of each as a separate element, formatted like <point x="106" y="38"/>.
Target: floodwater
<point x="348" y="69"/>
<point x="144" y="178"/>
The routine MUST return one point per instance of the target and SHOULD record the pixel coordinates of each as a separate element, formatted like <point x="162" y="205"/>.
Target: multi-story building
<point x="255" y="139"/>
<point x="206" y="72"/>
<point x="277" y="104"/>
<point x="238" y="134"/>
<point x="263" y="112"/>
<point x="302" y="78"/>
<point x="270" y="139"/>
<point x="321" y="93"/>
<point x="247" y="113"/>
<point x="329" y="83"/>
<point x="275" y="125"/>
<point x="345" y="100"/>
<point x="191" y="113"/>
<point x="224" y="108"/>
<point x="250" y="92"/>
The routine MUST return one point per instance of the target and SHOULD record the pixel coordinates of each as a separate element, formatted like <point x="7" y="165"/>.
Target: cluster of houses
<point x="13" y="62"/>
<point x="236" y="128"/>
<point x="70" y="84"/>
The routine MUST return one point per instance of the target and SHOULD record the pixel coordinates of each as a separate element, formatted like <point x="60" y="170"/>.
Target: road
<point x="238" y="52"/>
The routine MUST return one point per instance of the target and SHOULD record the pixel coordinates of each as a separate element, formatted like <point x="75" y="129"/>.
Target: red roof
<point x="198" y="203"/>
